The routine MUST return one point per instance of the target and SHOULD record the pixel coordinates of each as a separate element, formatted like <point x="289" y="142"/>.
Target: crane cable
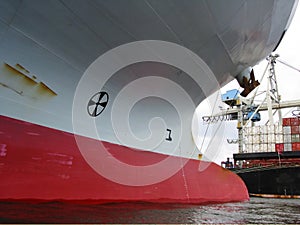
<point x="206" y="130"/>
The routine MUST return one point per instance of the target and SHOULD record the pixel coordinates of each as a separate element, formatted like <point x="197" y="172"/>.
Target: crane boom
<point x="263" y="107"/>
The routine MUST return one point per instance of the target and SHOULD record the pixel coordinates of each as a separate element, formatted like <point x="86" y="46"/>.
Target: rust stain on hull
<point x="14" y="72"/>
<point x="274" y="196"/>
<point x="43" y="87"/>
<point x="18" y="79"/>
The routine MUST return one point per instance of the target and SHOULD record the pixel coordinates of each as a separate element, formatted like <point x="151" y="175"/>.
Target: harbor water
<point x="257" y="210"/>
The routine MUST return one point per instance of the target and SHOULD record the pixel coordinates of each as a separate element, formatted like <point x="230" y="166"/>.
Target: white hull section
<point x="128" y="72"/>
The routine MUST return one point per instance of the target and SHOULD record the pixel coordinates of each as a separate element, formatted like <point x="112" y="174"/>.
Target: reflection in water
<point x="257" y="210"/>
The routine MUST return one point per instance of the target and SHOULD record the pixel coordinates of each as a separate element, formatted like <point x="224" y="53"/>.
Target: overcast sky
<point x="289" y="88"/>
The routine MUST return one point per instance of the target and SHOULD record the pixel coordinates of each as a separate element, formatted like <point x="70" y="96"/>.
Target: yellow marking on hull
<point x="18" y="79"/>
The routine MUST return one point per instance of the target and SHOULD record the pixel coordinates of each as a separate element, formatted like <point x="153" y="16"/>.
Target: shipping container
<point x="278" y="138"/>
<point x="255" y="130"/>
<point x="252" y="148"/>
<point x="278" y="129"/>
<point x="295" y="129"/>
<point x="249" y="139"/>
<point x="256" y="139"/>
<point x="251" y="132"/>
<point x="271" y="129"/>
<point x="264" y="138"/>
<point x="255" y="148"/>
<point x="296" y="146"/>
<point x="258" y="129"/>
<point x="287" y="130"/>
<point x="264" y="129"/>
<point x="275" y="138"/>
<point x="295" y="138"/>
<point x="271" y="147"/>
<point x="265" y="147"/>
<point x="287" y="138"/>
<point x="248" y="148"/>
<point x="286" y="122"/>
<point x="279" y="147"/>
<point x="260" y="148"/>
<point x="287" y="147"/>
<point x="295" y="121"/>
<point x="246" y="131"/>
<point x="271" y="138"/>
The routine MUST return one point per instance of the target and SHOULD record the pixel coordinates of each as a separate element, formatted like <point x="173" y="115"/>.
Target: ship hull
<point x="271" y="175"/>
<point x="98" y="97"/>
<point x="277" y="182"/>
<point x="34" y="171"/>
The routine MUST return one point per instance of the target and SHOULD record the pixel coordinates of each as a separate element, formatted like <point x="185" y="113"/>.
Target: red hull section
<point x="40" y="163"/>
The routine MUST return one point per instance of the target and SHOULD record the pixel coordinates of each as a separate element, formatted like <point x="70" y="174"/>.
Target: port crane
<point x="244" y="110"/>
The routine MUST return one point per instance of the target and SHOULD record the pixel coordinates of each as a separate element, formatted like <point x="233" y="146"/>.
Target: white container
<point x="278" y="138"/>
<point x="258" y="129"/>
<point x="278" y="129"/>
<point x="271" y="129"/>
<point x="287" y="138"/>
<point x="264" y="139"/>
<point x="286" y="130"/>
<point x="287" y="147"/>
<point x="251" y="148"/>
<point x="256" y="148"/>
<point x="246" y="131"/>
<point x="265" y="147"/>
<point x="250" y="129"/>
<point x="248" y="140"/>
<point x="261" y="129"/>
<point x="271" y="138"/>
<point x="264" y="129"/>
<point x="248" y="148"/>
<point x="261" y="148"/>
<point x="271" y="147"/>
<point x="256" y="139"/>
